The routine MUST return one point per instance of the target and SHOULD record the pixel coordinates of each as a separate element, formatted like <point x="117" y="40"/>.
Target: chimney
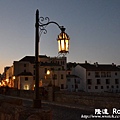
<point x="113" y="64"/>
<point x="96" y="64"/>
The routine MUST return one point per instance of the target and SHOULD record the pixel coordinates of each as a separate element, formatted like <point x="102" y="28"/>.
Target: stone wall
<point x="12" y="109"/>
<point x="95" y="100"/>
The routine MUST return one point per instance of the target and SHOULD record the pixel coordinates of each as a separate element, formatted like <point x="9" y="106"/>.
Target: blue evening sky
<point x="93" y="27"/>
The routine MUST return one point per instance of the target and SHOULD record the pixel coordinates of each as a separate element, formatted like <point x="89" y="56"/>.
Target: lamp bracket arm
<point x="44" y="25"/>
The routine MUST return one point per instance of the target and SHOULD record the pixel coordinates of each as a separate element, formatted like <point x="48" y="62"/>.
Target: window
<point x="116" y="73"/>
<point x="89" y="87"/>
<point x="68" y="73"/>
<point x="75" y="80"/>
<point x="101" y="87"/>
<point x="107" y="81"/>
<point x="52" y="69"/>
<point x="103" y="74"/>
<point x="54" y="77"/>
<point x="112" y="86"/>
<point x="97" y="74"/>
<point x="62" y="67"/>
<point x="68" y="80"/>
<point x="59" y="68"/>
<point x="34" y="72"/>
<point x="62" y="86"/>
<point x="61" y="76"/>
<point x="24" y="65"/>
<point x="26" y="78"/>
<point x="96" y="87"/>
<point x="76" y="86"/>
<point x="89" y="81"/>
<point x="88" y="73"/>
<point x="26" y="87"/>
<point x="98" y="81"/>
<point x="116" y="81"/>
<point x="45" y="70"/>
<point x="108" y="74"/>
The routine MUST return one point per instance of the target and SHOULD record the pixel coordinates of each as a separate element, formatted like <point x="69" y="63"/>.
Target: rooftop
<point x="31" y="59"/>
<point x="100" y="67"/>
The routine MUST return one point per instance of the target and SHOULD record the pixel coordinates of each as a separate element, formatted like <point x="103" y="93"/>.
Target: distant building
<point x="98" y="77"/>
<point x="22" y="74"/>
<point x="73" y="83"/>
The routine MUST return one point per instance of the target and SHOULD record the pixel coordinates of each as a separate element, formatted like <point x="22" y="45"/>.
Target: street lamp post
<point x="63" y="47"/>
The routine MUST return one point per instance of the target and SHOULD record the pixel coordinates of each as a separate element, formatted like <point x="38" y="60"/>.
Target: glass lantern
<point x="63" y="42"/>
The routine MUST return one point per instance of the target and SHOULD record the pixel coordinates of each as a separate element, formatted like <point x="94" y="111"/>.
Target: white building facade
<point x="73" y="83"/>
<point x="98" y="77"/>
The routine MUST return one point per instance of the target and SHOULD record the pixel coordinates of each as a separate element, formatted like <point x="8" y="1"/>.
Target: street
<point x="60" y="112"/>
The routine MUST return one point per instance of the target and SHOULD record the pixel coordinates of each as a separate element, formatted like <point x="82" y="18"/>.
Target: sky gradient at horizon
<point x="93" y="27"/>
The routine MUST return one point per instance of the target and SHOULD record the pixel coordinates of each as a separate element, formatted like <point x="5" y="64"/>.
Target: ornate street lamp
<point x="63" y="41"/>
<point x="63" y="46"/>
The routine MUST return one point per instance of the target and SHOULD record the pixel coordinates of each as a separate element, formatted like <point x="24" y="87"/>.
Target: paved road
<point x="60" y="111"/>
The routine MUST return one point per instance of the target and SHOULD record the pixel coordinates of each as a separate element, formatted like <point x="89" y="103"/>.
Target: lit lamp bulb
<point x="63" y="41"/>
<point x="13" y="77"/>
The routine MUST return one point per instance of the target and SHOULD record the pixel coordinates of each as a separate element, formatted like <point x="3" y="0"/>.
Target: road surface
<point x="61" y="111"/>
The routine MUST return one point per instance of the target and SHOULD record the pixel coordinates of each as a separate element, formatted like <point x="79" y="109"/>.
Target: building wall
<point x="22" y="66"/>
<point x="102" y="86"/>
<point x="9" y="73"/>
<point x="25" y="83"/>
<point x="98" y="82"/>
<point x="81" y="72"/>
<point x="26" y="66"/>
<point x="73" y="84"/>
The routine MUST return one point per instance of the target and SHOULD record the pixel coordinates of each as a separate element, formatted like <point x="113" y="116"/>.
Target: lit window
<point x="26" y="87"/>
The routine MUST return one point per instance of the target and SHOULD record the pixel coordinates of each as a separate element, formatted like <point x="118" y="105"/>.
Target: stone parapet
<point x="14" y="111"/>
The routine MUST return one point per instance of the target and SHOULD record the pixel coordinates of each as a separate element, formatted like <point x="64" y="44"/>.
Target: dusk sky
<point x="93" y="27"/>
